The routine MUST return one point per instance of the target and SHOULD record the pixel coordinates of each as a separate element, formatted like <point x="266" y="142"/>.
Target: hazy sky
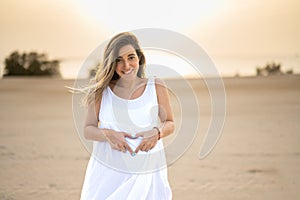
<point x="73" y="28"/>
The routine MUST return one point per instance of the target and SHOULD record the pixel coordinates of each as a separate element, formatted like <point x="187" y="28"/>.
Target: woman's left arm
<point x="165" y="110"/>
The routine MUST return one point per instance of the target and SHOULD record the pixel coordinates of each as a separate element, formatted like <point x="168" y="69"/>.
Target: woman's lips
<point x="129" y="71"/>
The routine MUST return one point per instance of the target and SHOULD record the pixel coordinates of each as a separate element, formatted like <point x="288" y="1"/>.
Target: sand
<point x="257" y="156"/>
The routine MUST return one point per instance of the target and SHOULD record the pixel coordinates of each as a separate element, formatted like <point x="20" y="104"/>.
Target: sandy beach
<point x="257" y="156"/>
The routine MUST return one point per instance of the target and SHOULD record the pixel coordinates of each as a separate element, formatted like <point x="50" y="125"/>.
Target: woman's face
<point x="127" y="62"/>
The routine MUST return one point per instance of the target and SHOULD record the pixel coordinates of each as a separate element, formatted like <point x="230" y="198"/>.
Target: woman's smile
<point x="128" y="71"/>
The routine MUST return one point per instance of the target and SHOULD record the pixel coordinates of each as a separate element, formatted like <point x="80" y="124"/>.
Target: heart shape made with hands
<point x="143" y="141"/>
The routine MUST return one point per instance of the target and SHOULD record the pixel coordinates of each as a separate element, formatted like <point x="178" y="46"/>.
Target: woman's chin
<point x="130" y="76"/>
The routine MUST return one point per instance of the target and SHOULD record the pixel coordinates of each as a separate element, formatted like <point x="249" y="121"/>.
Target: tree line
<point x="271" y="69"/>
<point x="30" y="64"/>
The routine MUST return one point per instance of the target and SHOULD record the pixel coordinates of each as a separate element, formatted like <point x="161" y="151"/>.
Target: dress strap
<point x="152" y="90"/>
<point x="151" y="84"/>
<point x="152" y="80"/>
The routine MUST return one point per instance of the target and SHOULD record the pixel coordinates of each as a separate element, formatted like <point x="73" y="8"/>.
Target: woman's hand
<point x="149" y="141"/>
<point x="117" y="140"/>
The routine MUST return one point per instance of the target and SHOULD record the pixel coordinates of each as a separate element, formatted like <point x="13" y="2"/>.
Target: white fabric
<point x="115" y="175"/>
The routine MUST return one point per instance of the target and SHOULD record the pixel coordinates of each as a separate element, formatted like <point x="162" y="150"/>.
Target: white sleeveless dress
<point x="115" y="175"/>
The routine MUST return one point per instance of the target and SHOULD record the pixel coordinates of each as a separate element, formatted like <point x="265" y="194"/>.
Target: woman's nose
<point x="126" y="64"/>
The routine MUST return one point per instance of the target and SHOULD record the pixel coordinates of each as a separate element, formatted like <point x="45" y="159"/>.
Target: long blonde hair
<point x="106" y="71"/>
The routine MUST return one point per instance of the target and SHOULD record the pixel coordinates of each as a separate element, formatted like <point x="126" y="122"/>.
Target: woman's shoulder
<point x="159" y="83"/>
<point x="161" y="88"/>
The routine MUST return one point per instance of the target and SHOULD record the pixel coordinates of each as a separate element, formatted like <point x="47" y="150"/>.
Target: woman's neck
<point x="125" y="83"/>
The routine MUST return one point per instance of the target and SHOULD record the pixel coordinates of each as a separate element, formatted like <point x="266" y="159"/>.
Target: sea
<point x="172" y="66"/>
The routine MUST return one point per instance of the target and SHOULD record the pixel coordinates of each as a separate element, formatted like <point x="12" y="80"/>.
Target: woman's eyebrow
<point x="132" y="54"/>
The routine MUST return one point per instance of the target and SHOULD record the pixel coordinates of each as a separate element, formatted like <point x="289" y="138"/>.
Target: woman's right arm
<point x="91" y="130"/>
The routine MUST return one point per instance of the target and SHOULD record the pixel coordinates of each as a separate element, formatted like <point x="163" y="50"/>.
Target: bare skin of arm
<point x="92" y="132"/>
<point x="151" y="137"/>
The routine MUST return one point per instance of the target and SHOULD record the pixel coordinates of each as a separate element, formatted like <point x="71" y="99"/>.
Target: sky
<point x="72" y="29"/>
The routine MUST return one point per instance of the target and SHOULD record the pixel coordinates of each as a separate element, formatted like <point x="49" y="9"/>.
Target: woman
<point x="128" y="160"/>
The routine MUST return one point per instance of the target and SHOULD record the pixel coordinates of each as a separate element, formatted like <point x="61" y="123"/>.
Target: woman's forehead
<point x="126" y="50"/>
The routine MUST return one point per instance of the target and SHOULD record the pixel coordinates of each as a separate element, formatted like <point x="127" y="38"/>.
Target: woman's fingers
<point x="149" y="141"/>
<point x="113" y="146"/>
<point x="145" y="146"/>
<point x="139" y="135"/>
<point x="123" y="147"/>
<point x="128" y="148"/>
<point x="139" y="148"/>
<point x="118" y="142"/>
<point x="151" y="134"/>
<point x="132" y="136"/>
<point x="120" y="147"/>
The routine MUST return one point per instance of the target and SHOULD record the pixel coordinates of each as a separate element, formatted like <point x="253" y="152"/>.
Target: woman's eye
<point x="118" y="60"/>
<point x="131" y="57"/>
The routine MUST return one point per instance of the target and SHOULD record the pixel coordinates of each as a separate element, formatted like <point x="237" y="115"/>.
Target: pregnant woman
<point x="127" y="116"/>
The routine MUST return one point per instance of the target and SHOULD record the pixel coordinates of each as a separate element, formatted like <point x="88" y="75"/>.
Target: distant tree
<point x="93" y="70"/>
<point x="30" y="64"/>
<point x="271" y="69"/>
<point x="290" y="71"/>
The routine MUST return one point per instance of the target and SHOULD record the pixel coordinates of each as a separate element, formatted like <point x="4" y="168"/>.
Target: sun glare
<point x="127" y="15"/>
<point x="167" y="65"/>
